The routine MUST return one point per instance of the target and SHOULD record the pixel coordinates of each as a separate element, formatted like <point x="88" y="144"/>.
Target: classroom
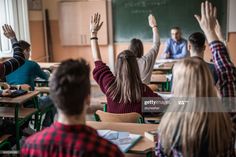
<point x="114" y="78"/>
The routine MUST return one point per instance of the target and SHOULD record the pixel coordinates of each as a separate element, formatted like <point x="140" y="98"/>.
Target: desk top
<point x="144" y="145"/>
<point x="46" y="65"/>
<point x="43" y="89"/>
<point x="164" y="67"/>
<point x="159" y="79"/>
<point x="20" y="99"/>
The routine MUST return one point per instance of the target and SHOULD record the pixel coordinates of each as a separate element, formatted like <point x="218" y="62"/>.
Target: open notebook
<point x="124" y="140"/>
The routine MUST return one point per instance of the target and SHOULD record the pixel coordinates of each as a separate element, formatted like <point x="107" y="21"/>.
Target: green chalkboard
<point x="130" y="17"/>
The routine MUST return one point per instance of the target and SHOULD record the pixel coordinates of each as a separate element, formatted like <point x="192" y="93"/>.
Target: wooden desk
<point x="17" y="102"/>
<point x="43" y="89"/>
<point x="99" y="100"/>
<point x="163" y="67"/>
<point x="158" y="79"/>
<point x="46" y="65"/>
<point x="143" y="146"/>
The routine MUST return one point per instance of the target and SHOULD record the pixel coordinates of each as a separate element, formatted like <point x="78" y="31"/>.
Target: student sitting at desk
<point x="196" y="46"/>
<point x="26" y="74"/>
<point x="124" y="90"/>
<point x="69" y="136"/>
<point x="147" y="61"/>
<point x="18" y="57"/>
<point x="176" y="46"/>
<point x="199" y="133"/>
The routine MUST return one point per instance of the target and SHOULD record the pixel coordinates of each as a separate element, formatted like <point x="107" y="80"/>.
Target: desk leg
<point x="37" y="123"/>
<point x="17" y="127"/>
<point x="149" y="154"/>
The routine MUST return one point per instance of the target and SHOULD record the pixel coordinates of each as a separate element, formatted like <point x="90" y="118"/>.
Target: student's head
<point x="136" y="46"/>
<point x="126" y="88"/>
<point x="26" y="48"/>
<point x="175" y="33"/>
<point x="196" y="44"/>
<point x="193" y="126"/>
<point x="70" y="87"/>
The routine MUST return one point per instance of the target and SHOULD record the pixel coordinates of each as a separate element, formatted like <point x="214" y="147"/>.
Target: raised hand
<point x="152" y="21"/>
<point x="95" y="23"/>
<point x="8" y="31"/>
<point x="207" y="20"/>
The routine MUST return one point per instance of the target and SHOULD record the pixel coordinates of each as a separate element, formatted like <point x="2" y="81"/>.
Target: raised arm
<point x="149" y="58"/>
<point x="226" y="70"/>
<point x="18" y="56"/>
<point x="101" y="73"/>
<point x="95" y="26"/>
<point x="156" y="36"/>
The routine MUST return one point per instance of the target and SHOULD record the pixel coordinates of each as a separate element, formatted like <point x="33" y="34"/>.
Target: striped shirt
<point x="18" y="59"/>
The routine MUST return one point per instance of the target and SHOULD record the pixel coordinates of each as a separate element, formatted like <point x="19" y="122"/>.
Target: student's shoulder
<point x="38" y="137"/>
<point x="102" y="146"/>
<point x="106" y="148"/>
<point x="147" y="91"/>
<point x="32" y="63"/>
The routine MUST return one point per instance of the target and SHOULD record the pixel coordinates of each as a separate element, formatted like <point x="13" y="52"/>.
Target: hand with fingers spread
<point x="95" y="24"/>
<point x="8" y="31"/>
<point x="152" y="21"/>
<point x="207" y="20"/>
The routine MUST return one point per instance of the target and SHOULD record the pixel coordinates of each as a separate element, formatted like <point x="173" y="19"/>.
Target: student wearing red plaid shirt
<point x="69" y="136"/>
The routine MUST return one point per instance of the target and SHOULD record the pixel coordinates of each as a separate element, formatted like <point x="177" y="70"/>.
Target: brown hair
<point x="136" y="46"/>
<point x="24" y="45"/>
<point x="70" y="85"/>
<point x="176" y="28"/>
<point x="191" y="128"/>
<point x="197" y="40"/>
<point x="127" y="85"/>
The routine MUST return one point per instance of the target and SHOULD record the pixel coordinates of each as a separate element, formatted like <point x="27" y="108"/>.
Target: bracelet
<point x="94" y="38"/>
<point x="154" y="26"/>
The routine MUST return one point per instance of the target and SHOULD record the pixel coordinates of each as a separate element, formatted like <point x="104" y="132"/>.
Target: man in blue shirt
<point x="176" y="46"/>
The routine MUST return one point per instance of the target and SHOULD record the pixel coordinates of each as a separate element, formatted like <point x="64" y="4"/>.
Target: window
<point x="15" y="13"/>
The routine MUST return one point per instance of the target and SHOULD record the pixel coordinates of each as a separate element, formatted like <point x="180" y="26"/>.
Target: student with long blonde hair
<point x="125" y="89"/>
<point x="199" y="125"/>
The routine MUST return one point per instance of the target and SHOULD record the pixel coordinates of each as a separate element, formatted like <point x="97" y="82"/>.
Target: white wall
<point x="232" y="15"/>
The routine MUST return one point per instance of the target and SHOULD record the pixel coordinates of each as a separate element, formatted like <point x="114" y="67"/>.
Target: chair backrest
<point x="132" y="117"/>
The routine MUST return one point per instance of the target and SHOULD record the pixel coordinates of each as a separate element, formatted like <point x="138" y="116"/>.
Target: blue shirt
<point x="26" y="74"/>
<point x="177" y="49"/>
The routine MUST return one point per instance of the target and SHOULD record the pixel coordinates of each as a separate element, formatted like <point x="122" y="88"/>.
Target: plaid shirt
<point x="226" y="72"/>
<point x="61" y="140"/>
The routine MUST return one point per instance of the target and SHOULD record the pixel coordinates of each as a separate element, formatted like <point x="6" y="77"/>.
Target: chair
<point x="132" y="117"/>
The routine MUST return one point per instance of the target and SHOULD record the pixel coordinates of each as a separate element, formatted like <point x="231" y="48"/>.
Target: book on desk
<point x="151" y="135"/>
<point x="15" y="93"/>
<point x="124" y="140"/>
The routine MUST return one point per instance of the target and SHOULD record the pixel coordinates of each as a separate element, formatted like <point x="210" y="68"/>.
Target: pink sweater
<point x="104" y="77"/>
